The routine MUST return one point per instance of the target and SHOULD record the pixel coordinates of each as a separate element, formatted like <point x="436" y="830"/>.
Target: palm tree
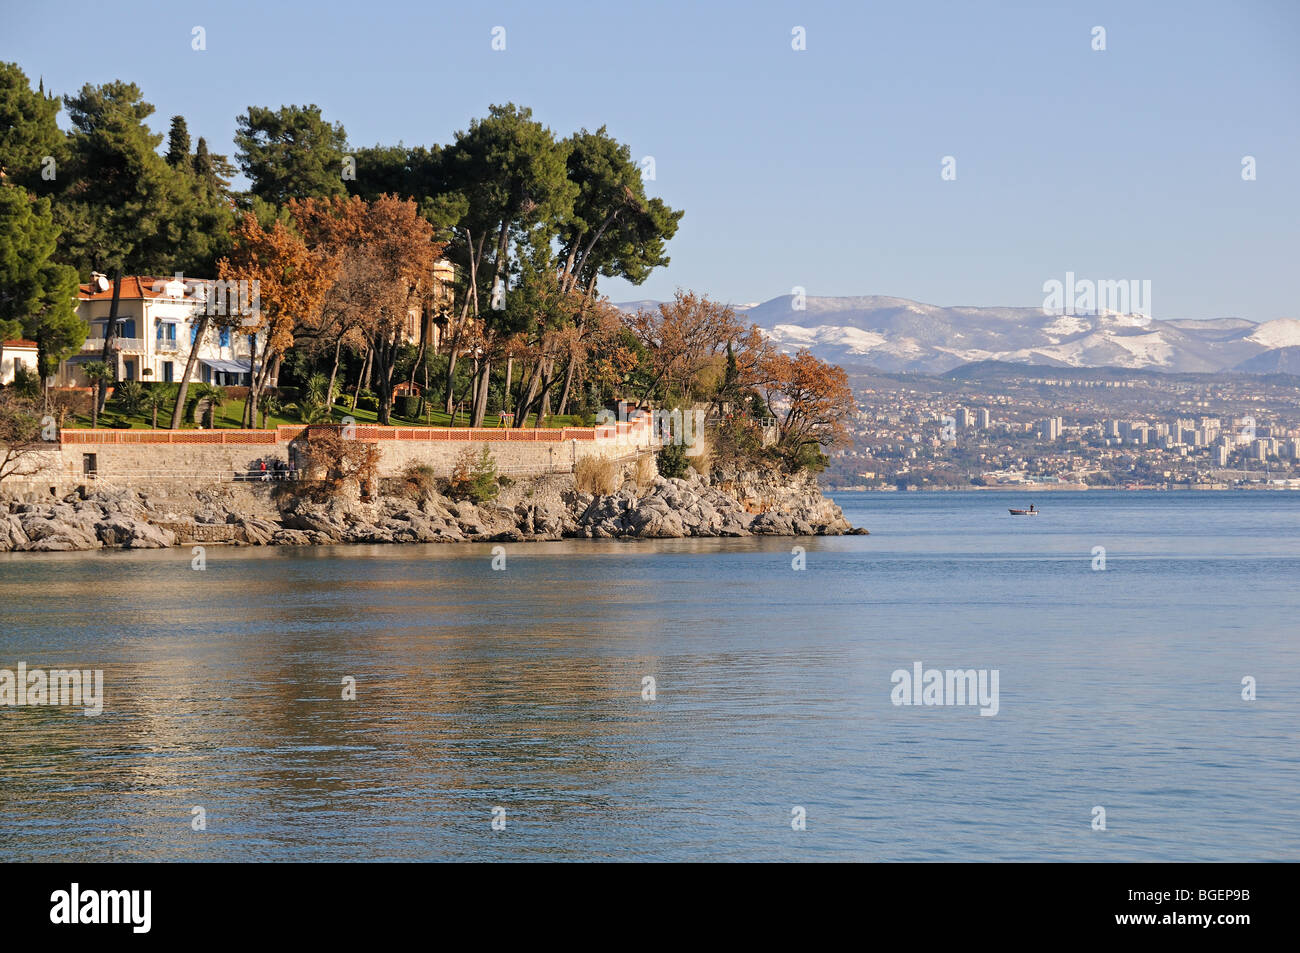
<point x="313" y="407"/>
<point x="310" y="411"/>
<point x="317" y="389"/>
<point x="96" y="372"/>
<point x="271" y="404"/>
<point x="207" y="398"/>
<point x="154" y="400"/>
<point x="130" y="395"/>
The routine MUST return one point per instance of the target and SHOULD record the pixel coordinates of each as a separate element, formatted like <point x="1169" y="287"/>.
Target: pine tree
<point x="213" y="170"/>
<point x="178" y="144"/>
<point x="291" y="152"/>
<point x="29" y="136"/>
<point x="38" y="296"/>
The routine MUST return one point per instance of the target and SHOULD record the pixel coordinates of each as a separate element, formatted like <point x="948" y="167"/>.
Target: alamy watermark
<point x="220" y="298"/>
<point x="682" y="428"/>
<point x="58" y="687"/>
<point x="129" y="907"/>
<point x="1076" y="296"/>
<point x="922" y="686"/>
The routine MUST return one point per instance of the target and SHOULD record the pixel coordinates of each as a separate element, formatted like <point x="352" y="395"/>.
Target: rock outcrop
<point x="728" y="503"/>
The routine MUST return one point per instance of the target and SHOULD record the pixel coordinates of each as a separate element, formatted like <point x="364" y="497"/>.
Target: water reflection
<point x="522" y="689"/>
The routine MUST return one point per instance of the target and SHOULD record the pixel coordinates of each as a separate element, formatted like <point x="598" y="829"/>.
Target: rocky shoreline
<point x="727" y="503"/>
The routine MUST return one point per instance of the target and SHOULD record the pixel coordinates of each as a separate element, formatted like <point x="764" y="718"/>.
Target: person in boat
<point x="1031" y="507"/>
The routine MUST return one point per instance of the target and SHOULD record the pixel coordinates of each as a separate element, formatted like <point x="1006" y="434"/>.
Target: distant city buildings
<point x="1210" y="432"/>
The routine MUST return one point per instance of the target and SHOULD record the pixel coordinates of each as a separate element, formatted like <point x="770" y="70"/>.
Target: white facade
<point x="16" y="354"/>
<point x="156" y="321"/>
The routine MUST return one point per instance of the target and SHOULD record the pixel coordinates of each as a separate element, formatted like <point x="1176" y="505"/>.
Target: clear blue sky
<point x="818" y="168"/>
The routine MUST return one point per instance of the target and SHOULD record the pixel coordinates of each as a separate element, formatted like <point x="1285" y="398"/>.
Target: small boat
<point x="1024" y="512"/>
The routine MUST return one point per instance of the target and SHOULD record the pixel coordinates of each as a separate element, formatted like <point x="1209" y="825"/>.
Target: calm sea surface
<point x="522" y="690"/>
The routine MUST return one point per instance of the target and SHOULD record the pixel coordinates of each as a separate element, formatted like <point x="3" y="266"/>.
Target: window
<point x="167" y="371"/>
<point x="194" y="333"/>
<point x="225" y="337"/>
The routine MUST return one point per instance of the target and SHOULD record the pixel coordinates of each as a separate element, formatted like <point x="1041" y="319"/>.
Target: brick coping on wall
<point x="286" y="433"/>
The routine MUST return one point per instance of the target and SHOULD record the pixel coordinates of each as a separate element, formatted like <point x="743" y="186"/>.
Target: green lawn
<point x="231" y="412"/>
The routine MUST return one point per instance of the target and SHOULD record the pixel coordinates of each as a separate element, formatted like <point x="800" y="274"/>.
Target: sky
<point x="819" y="168"/>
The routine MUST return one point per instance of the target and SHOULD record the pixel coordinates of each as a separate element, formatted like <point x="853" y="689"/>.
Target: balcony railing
<point x="131" y="345"/>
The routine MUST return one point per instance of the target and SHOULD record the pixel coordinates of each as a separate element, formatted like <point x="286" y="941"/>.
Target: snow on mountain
<point x="853" y="340"/>
<point x="1283" y="332"/>
<point x="897" y="334"/>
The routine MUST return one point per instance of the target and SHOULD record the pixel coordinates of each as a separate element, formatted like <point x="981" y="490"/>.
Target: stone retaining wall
<point x="153" y="457"/>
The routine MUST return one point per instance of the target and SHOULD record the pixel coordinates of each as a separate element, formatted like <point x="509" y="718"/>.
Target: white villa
<point x="157" y="318"/>
<point x="14" y="355"/>
<point x="156" y="322"/>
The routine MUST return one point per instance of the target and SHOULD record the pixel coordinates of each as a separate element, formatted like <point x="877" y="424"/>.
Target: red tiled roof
<point x="20" y="342"/>
<point x="134" y="287"/>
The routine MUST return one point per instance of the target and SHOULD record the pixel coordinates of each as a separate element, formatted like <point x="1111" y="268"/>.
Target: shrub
<point x="597" y="476"/>
<point x="410" y="405"/>
<point x="419" y="480"/>
<point x="475" y="476"/>
<point x="673" y="461"/>
<point x="67" y="402"/>
<point x="738" y="441"/>
<point x="335" y="460"/>
<point x="20" y="434"/>
<point x="27" y="383"/>
<point x="646" y="471"/>
<point x="129" y="395"/>
<point x="700" y="457"/>
<point x="810" y="457"/>
<point x="310" y="412"/>
<point x="367" y="402"/>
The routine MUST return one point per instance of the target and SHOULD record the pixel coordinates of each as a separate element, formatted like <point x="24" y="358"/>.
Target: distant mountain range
<point x="895" y="334"/>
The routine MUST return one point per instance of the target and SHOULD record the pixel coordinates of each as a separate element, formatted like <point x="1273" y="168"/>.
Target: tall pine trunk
<point x="356" y="391"/>
<point x="110" y="335"/>
<point x="183" y="387"/>
<point x="334" y="373"/>
<point x="505" y="393"/>
<point x="568" y="385"/>
<point x="480" y="400"/>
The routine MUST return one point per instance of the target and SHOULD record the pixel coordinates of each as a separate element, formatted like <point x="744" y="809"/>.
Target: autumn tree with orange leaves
<point x="292" y="281"/>
<point x="811" y="400"/>
<point x="387" y="256"/>
<point x="679" y="339"/>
